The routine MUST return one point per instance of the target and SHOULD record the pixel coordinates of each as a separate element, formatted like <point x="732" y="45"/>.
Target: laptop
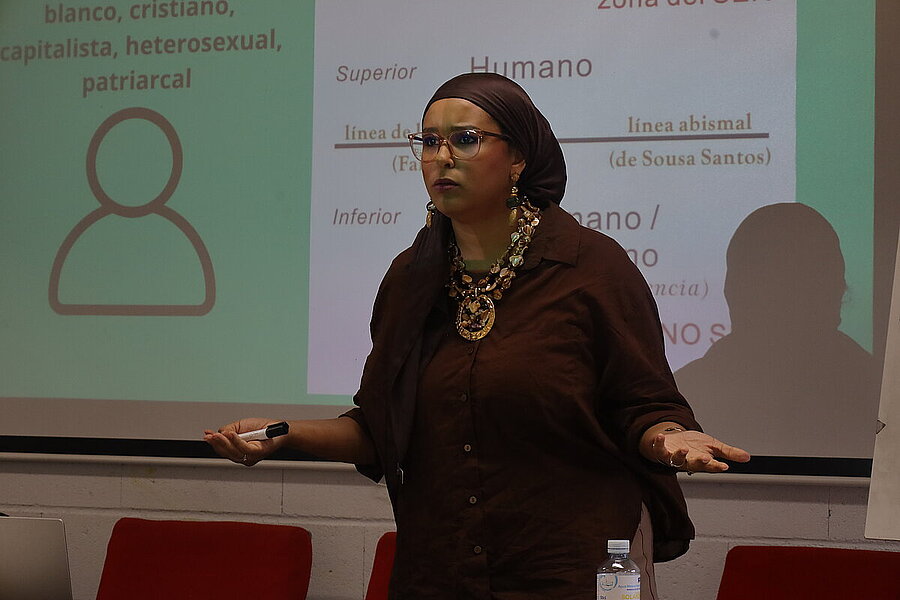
<point x="34" y="561"/>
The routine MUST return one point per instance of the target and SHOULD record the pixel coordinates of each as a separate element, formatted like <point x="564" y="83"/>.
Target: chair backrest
<point x="204" y="559"/>
<point x="381" y="568"/>
<point x="792" y="572"/>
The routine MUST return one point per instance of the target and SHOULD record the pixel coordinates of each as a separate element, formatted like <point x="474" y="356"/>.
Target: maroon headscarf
<point x="544" y="178"/>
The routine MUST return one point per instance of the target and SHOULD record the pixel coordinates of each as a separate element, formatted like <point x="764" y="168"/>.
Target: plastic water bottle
<point x="618" y="578"/>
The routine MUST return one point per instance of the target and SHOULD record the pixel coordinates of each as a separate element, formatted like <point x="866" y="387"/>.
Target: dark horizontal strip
<point x="123" y="447"/>
<point x="813" y="466"/>
<point x="760" y="465"/>
<point x="593" y="140"/>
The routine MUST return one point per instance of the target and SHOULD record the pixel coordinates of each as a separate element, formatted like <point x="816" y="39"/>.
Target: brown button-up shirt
<point x="522" y="457"/>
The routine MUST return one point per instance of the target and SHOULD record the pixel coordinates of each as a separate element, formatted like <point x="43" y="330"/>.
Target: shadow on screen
<point x="785" y="381"/>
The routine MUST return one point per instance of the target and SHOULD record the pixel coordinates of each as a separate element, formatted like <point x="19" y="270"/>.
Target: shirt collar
<point x="556" y="238"/>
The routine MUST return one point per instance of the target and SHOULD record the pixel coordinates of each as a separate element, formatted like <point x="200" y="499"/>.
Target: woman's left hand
<point x="691" y="451"/>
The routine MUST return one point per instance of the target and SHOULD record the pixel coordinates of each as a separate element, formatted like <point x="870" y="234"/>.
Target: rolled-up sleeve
<point x="372" y="471"/>
<point x="637" y="388"/>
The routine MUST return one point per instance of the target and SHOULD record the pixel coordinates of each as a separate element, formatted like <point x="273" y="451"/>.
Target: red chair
<point x="205" y="559"/>
<point x="381" y="569"/>
<point x="798" y="573"/>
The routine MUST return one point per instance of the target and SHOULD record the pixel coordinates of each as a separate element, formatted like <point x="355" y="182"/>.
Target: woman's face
<point x="469" y="191"/>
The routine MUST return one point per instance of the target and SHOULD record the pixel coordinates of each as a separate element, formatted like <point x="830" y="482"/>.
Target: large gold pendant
<point x="475" y="316"/>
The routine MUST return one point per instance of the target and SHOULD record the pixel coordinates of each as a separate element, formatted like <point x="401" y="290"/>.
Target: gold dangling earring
<point x="430" y="208"/>
<point x="513" y="203"/>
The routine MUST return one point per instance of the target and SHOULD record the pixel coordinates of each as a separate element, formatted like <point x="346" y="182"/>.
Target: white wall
<point x="346" y="513"/>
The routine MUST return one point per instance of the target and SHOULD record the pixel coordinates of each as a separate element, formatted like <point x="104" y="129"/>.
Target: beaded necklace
<point x="476" y="313"/>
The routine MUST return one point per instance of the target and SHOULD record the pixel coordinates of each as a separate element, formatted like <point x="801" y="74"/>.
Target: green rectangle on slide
<point x="244" y="127"/>
<point x="836" y="137"/>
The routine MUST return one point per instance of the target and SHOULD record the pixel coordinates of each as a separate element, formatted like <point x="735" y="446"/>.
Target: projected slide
<point x="200" y="197"/>
<point x="669" y="144"/>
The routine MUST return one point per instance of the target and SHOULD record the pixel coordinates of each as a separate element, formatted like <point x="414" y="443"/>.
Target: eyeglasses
<point x="463" y="144"/>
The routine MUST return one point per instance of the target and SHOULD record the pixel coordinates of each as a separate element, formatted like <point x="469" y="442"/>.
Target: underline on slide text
<point x="592" y="140"/>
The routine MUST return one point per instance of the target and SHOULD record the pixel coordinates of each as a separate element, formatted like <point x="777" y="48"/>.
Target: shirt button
<point x="477" y="549"/>
<point x="467" y="448"/>
<point x="472" y="499"/>
<point x="463" y="397"/>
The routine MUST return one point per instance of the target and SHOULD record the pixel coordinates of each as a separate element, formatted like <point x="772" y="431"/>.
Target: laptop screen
<point x="34" y="563"/>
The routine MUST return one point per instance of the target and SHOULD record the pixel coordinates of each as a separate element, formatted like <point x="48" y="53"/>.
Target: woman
<point x="517" y="397"/>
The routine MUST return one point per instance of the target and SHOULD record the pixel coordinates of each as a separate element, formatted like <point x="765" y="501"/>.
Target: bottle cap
<point x="618" y="546"/>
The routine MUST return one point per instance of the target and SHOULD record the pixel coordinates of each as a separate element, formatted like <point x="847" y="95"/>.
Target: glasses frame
<point x="479" y="133"/>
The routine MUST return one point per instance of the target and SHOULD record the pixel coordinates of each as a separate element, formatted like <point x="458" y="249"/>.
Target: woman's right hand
<point x="226" y="442"/>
